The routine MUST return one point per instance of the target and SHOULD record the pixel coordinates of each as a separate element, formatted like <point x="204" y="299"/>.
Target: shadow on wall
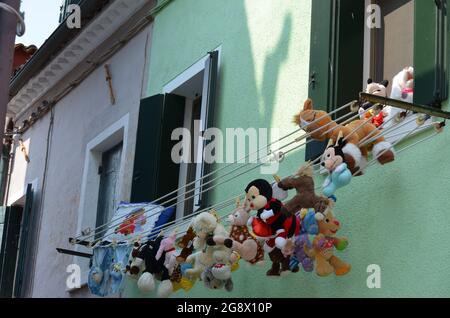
<point x="272" y="66"/>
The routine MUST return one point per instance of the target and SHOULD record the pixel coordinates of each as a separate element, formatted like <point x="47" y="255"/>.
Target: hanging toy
<point x="270" y="224"/>
<point x="239" y="230"/>
<point x="218" y="275"/>
<point x="212" y="282"/>
<point x="333" y="160"/>
<point x="205" y="225"/>
<point x="153" y="266"/>
<point x="99" y="272"/>
<point x="121" y="253"/>
<point x="302" y="241"/>
<point x="321" y="127"/>
<point x="305" y="197"/>
<point x="186" y="244"/>
<point x="377" y="113"/>
<point x="323" y="245"/>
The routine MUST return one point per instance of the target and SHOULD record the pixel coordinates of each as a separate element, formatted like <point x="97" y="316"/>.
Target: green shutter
<point x="24" y="243"/>
<point x="148" y="138"/>
<point x="430" y="52"/>
<point x="336" y="57"/>
<point x="209" y="97"/>
<point x="155" y="174"/>
<point x="320" y="53"/>
<point x="9" y="248"/>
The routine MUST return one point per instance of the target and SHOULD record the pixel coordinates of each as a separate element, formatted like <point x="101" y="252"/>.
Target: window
<point x="108" y="188"/>
<point x="187" y="101"/>
<point x="102" y="185"/>
<point x="345" y="52"/>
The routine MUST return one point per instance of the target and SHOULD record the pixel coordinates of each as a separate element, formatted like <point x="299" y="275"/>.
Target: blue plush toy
<point x="333" y="159"/>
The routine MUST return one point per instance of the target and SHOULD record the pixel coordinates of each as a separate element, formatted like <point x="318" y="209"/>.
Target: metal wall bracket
<point x="404" y="105"/>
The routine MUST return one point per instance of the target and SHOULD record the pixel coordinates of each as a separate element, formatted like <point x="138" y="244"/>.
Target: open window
<point x="188" y="102"/>
<point x="347" y="48"/>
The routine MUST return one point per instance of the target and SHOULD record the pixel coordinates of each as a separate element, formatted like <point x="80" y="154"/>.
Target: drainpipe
<point x="8" y="27"/>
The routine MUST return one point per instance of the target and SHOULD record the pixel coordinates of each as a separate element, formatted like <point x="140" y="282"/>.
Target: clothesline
<point x="110" y="224"/>
<point x="396" y="126"/>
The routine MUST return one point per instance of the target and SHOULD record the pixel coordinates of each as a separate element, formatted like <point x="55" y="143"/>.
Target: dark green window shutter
<point x="155" y="174"/>
<point x="8" y="255"/>
<point x="209" y="95"/>
<point x="24" y="243"/>
<point x="336" y="57"/>
<point x="430" y="52"/>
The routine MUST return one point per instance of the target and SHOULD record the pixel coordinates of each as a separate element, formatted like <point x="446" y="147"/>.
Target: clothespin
<point x="439" y="127"/>
<point x="114" y="242"/>
<point x="161" y="233"/>
<point x="214" y="212"/>
<point x="421" y="119"/>
<point x="276" y="178"/>
<point x="354" y="106"/>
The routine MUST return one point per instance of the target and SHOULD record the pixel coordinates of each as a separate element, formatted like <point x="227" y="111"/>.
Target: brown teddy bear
<point x="324" y="244"/>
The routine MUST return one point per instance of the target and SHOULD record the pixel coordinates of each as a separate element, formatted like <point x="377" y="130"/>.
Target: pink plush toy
<point x="168" y="246"/>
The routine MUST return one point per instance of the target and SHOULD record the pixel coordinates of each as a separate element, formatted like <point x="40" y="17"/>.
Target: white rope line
<point x="424" y="127"/>
<point x="386" y="131"/>
<point x="388" y="149"/>
<point x="183" y="220"/>
<point x="380" y="128"/>
<point x="231" y="201"/>
<point x="202" y="185"/>
<point x="417" y="142"/>
<point x="194" y="195"/>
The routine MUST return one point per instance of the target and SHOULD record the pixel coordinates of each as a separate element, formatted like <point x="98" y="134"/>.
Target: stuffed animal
<point x="402" y="89"/>
<point x="306" y="197"/>
<point x="205" y="225"/>
<point x="167" y="247"/>
<point x="323" y="245"/>
<point x="270" y="224"/>
<point x="212" y="282"/>
<point x="153" y="266"/>
<point x="239" y="231"/>
<point x="186" y="244"/>
<point x="333" y="160"/>
<point x="247" y="250"/>
<point x="321" y="127"/>
<point x="377" y="114"/>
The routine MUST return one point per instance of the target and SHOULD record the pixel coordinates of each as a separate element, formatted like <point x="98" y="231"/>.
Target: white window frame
<point x="170" y="87"/>
<point x="87" y="210"/>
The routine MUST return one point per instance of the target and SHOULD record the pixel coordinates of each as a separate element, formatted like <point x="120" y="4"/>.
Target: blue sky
<point x="41" y="19"/>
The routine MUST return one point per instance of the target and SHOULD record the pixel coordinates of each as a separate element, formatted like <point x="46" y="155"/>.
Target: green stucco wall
<point x="395" y="216"/>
